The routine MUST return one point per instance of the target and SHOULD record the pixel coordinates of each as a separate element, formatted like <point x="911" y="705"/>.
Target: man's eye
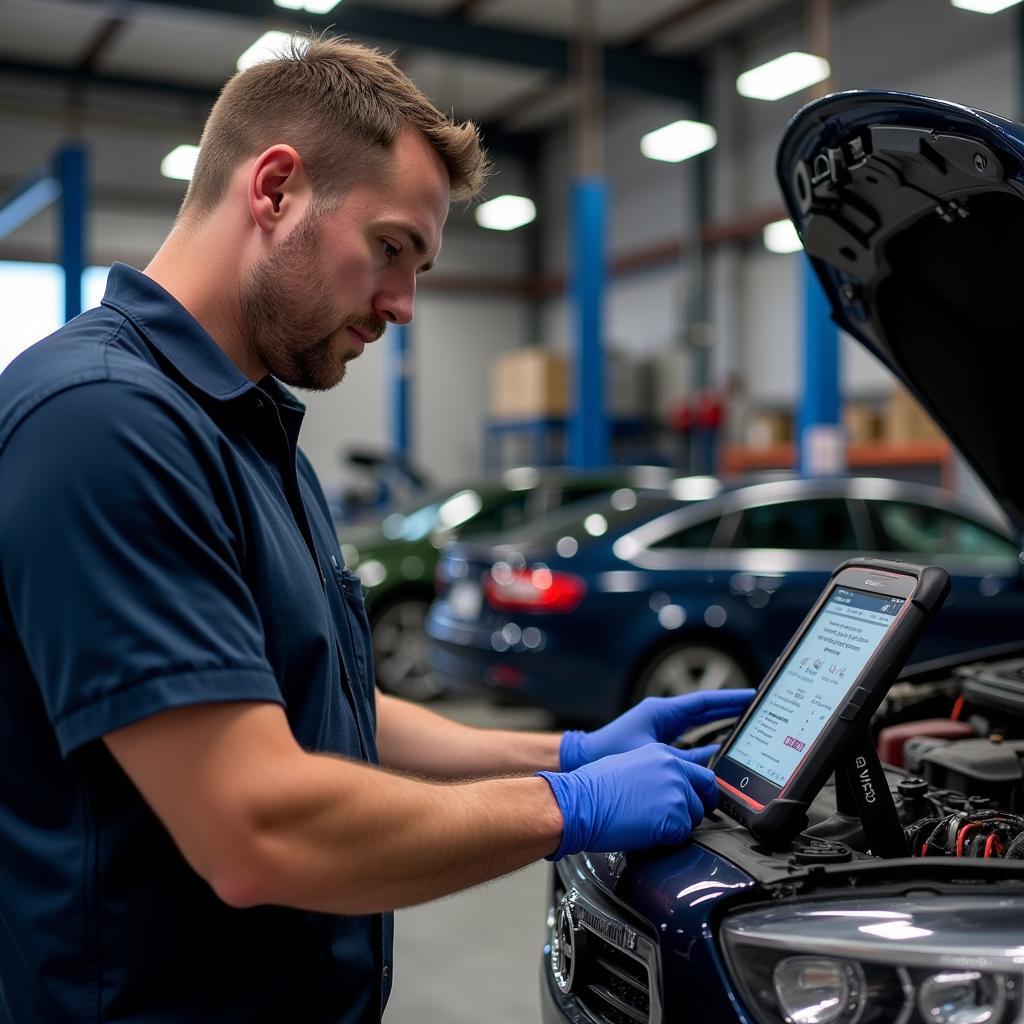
<point x="390" y="251"/>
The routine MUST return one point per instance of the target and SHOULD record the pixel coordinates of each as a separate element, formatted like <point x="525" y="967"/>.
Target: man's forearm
<point x="360" y="840"/>
<point x="265" y="822"/>
<point x="411" y="738"/>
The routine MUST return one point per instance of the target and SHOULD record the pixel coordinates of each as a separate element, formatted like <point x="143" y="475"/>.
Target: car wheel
<point x="400" y="651"/>
<point x="689" y="668"/>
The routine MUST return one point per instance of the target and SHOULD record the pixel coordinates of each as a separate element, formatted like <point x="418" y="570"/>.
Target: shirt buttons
<point x="259" y="403"/>
<point x="387" y="971"/>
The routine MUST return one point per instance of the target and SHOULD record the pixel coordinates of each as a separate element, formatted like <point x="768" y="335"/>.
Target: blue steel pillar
<point x="588" y="431"/>
<point x="401" y="374"/>
<point x="822" y="442"/>
<point x="70" y="169"/>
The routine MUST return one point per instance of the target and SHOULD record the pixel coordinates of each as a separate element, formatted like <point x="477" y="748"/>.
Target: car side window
<point x="571" y="494"/>
<point x="499" y="515"/>
<point x="922" y="530"/>
<point x="700" y="535"/>
<point x="823" y="524"/>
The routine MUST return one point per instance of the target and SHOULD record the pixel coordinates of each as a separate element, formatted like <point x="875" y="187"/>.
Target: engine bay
<point x="950" y="736"/>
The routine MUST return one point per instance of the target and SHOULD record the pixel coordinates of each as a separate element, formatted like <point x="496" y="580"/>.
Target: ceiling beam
<point x="496" y="139"/>
<point x="97" y="47"/>
<point x="676" y="77"/>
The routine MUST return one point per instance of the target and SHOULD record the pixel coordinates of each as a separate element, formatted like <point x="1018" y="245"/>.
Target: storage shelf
<point x="937" y="452"/>
<point x="544" y="438"/>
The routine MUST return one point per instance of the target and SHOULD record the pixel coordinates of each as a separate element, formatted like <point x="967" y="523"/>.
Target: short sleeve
<point x="120" y="559"/>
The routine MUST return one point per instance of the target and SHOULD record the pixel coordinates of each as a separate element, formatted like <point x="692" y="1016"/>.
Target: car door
<point x="782" y="554"/>
<point x="986" y="601"/>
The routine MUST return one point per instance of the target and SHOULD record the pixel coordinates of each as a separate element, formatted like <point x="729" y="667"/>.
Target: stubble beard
<point x="287" y="314"/>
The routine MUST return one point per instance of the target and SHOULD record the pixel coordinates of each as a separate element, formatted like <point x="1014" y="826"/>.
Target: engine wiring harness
<point x="968" y="832"/>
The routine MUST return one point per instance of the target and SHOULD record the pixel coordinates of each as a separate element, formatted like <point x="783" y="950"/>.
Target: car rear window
<point x="923" y="530"/>
<point x="608" y="513"/>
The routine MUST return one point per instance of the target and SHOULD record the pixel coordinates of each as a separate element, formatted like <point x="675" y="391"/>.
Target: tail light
<point x="533" y="590"/>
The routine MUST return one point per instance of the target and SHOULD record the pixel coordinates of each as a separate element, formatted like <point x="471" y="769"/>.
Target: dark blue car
<point x="912" y="213"/>
<point x="639" y="594"/>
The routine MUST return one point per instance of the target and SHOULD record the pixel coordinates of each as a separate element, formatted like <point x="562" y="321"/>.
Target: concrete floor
<point x="474" y="956"/>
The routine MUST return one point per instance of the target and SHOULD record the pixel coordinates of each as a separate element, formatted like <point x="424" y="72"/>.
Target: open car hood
<point x="912" y="213"/>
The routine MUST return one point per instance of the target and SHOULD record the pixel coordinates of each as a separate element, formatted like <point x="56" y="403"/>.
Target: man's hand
<point x="654" y="720"/>
<point x="646" y="797"/>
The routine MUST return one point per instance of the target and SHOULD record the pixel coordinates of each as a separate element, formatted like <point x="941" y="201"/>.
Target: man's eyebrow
<point x="419" y="243"/>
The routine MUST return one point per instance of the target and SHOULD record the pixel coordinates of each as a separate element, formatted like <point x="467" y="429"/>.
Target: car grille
<point x="616" y="987"/>
<point x="600" y="962"/>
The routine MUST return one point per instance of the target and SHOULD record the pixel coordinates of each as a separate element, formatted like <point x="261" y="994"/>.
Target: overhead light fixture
<point x="506" y="213"/>
<point x="783" y="76"/>
<point x="269" y="45"/>
<point x="678" y="141"/>
<point x="309" y="6"/>
<point x="781" y="236"/>
<point x="180" y="163"/>
<point x="984" y="6"/>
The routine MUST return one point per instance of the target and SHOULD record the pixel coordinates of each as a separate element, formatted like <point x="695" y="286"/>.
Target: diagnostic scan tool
<point x="814" y="706"/>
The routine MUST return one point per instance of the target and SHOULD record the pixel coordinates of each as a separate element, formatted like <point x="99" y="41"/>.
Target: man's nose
<point x="395" y="306"/>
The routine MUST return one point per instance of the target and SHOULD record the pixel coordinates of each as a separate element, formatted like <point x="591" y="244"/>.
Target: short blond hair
<point x="341" y="106"/>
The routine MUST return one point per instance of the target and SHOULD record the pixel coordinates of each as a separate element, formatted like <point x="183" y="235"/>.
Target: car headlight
<point x="914" y="960"/>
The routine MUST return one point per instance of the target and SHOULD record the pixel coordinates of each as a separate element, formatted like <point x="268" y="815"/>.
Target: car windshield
<point x="442" y="510"/>
<point x="608" y="513"/>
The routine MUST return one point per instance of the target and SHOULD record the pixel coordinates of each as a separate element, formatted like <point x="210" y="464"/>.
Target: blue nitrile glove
<point x="645" y="797"/>
<point x="653" y="720"/>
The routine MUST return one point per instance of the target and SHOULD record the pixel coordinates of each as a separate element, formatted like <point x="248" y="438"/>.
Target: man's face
<point x="344" y="273"/>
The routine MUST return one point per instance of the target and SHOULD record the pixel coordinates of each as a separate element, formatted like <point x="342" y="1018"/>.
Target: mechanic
<point x="206" y="811"/>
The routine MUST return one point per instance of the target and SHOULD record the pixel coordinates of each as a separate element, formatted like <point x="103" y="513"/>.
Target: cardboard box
<point x="905" y="420"/>
<point x="769" y="426"/>
<point x="533" y="383"/>
<point x="863" y="422"/>
<point x="529" y="383"/>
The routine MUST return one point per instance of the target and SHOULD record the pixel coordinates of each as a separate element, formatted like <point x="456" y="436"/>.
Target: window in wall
<point x="32" y="298"/>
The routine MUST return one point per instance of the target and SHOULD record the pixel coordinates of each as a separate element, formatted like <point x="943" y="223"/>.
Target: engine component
<point x="977" y="767"/>
<point x="998" y="687"/>
<point x="891" y="739"/>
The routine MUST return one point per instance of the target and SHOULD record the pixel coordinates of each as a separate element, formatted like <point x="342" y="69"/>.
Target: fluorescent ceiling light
<point x="309" y="6"/>
<point x="180" y="162"/>
<point x="678" y="141"/>
<point x="505" y="213"/>
<point x="781" y="236"/>
<point x="785" y="75"/>
<point x="984" y="6"/>
<point x="269" y="45"/>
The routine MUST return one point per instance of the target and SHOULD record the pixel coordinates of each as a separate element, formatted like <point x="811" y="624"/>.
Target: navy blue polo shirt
<point x="162" y="543"/>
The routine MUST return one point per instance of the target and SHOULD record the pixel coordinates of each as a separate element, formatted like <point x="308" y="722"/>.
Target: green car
<point x="395" y="556"/>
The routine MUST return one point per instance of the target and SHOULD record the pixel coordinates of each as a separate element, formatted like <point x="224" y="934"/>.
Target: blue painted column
<point x="822" y="441"/>
<point x="401" y="379"/>
<point x="588" y="429"/>
<point x="71" y="169"/>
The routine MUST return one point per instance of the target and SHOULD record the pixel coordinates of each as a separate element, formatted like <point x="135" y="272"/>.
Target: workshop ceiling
<point x="484" y="59"/>
<point x="131" y="79"/>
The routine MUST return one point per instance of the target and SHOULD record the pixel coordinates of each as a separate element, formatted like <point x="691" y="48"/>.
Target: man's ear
<point x="277" y="182"/>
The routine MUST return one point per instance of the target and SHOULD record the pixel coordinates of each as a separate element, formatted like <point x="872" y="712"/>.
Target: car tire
<point x="400" y="650"/>
<point x="687" y="668"/>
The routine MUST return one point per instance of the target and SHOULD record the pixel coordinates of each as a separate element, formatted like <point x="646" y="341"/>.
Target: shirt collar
<point x="170" y="328"/>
